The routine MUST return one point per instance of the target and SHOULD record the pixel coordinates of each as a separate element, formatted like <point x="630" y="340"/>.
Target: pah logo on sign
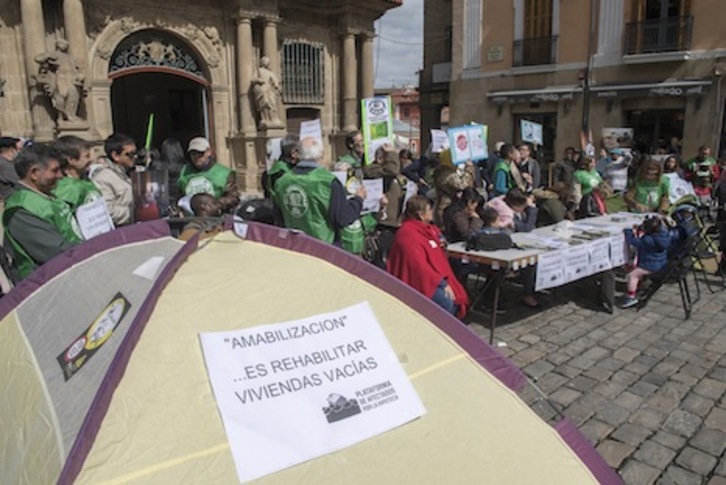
<point x="340" y="408"/>
<point x="377" y="107"/>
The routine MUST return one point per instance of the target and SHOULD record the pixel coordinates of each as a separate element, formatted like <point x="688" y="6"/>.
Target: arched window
<point x="303" y="73"/>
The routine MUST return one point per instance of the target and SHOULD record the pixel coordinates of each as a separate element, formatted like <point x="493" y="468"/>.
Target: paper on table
<point x="550" y="270"/>
<point x="374" y="193"/>
<point x="599" y="255"/>
<point x="618" y="251"/>
<point x="577" y="263"/>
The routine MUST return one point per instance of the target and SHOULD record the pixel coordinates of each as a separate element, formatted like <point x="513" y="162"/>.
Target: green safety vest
<point x="76" y="192"/>
<point x="304" y="200"/>
<point x="650" y="193"/>
<point x="279" y="167"/>
<point x="350" y="159"/>
<point x="211" y="181"/>
<point x="504" y="166"/>
<point x="588" y="180"/>
<point x="49" y="209"/>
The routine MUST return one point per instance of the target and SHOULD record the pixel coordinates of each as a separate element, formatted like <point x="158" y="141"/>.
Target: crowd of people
<point x="427" y="202"/>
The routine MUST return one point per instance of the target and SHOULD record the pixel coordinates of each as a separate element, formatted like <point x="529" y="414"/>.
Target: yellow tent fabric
<point x="163" y="425"/>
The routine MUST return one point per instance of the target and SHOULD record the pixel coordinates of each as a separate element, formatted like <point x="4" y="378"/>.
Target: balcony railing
<point x="660" y="35"/>
<point x="535" y="51"/>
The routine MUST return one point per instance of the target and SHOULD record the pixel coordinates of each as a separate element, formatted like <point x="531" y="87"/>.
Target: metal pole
<point x="588" y="71"/>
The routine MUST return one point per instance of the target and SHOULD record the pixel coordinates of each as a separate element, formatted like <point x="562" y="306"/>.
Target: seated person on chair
<point x="651" y="240"/>
<point x="650" y="191"/>
<point x="419" y="260"/>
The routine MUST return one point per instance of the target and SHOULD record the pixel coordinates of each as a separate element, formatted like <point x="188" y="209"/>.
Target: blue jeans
<point x="442" y="300"/>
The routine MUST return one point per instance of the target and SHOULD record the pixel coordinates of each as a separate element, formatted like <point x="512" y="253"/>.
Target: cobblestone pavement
<point x="647" y="388"/>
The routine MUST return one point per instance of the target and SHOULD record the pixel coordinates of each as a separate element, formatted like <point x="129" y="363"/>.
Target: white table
<point x="535" y="243"/>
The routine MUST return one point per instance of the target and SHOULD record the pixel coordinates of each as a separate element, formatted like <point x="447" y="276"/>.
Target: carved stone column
<point x="366" y="65"/>
<point x="349" y="66"/>
<point x="245" y="66"/>
<point x="31" y="12"/>
<point x="269" y="46"/>
<point x="75" y="27"/>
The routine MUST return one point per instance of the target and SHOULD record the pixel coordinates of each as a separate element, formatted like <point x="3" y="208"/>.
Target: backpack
<point x="482" y="241"/>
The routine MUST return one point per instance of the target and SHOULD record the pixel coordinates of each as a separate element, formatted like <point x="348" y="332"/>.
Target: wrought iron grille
<point x="151" y="48"/>
<point x="303" y="73"/>
<point x="535" y="51"/>
<point x="659" y="35"/>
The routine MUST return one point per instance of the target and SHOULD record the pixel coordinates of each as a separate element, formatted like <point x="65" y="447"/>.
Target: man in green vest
<point x="204" y="175"/>
<point x="75" y="159"/>
<point x="353" y="160"/>
<point x="289" y="156"/>
<point x="38" y="226"/>
<point x="312" y="200"/>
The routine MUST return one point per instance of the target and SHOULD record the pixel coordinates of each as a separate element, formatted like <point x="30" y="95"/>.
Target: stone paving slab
<point x="647" y="388"/>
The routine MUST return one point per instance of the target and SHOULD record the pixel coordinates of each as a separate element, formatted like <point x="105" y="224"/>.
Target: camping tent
<point x="105" y="381"/>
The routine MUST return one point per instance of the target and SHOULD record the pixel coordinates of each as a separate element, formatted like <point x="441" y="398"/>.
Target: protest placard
<point x="94" y="219"/>
<point x="293" y="391"/>
<point x="374" y="193"/>
<point x="311" y="129"/>
<point x="531" y="132"/>
<point x="468" y="142"/>
<point x="377" y="123"/>
<point x="439" y="141"/>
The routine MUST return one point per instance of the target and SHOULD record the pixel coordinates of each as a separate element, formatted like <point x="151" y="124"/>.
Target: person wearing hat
<point x="110" y="176"/>
<point x="8" y="175"/>
<point x="204" y="175"/>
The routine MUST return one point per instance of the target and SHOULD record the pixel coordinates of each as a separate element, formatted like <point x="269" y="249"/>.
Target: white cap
<point x="199" y="144"/>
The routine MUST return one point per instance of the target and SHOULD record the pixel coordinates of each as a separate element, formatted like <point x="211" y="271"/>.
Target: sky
<point x="398" y="47"/>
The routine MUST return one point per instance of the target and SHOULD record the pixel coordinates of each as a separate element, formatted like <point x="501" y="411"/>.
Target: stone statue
<point x="61" y="80"/>
<point x="267" y="90"/>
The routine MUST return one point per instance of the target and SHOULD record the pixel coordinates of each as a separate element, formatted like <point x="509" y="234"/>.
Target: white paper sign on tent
<point x="94" y="219"/>
<point x="311" y="129"/>
<point x="294" y="391"/>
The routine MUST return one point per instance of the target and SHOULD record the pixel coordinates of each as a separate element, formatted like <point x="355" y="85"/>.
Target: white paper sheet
<point x="311" y="129"/>
<point x="93" y="218"/>
<point x="618" y="251"/>
<point x="577" y="263"/>
<point x="374" y="192"/>
<point x="550" y="270"/>
<point x="293" y="391"/>
<point x="599" y="255"/>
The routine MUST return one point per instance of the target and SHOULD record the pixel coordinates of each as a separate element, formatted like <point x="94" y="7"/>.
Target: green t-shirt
<point x="588" y="180"/>
<point x="650" y="194"/>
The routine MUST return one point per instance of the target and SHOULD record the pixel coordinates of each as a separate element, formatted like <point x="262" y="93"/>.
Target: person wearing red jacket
<point x="419" y="259"/>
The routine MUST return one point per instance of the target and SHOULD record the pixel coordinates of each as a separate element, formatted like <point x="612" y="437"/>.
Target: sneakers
<point x="629" y="302"/>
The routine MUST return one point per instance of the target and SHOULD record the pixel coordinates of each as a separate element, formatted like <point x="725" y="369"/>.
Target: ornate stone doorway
<point x="156" y="73"/>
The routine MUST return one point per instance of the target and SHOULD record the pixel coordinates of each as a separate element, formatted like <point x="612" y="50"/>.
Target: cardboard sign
<point x="293" y="391"/>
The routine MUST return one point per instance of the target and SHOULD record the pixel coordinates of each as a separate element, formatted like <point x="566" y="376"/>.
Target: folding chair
<point x="680" y="264"/>
<point x="686" y="216"/>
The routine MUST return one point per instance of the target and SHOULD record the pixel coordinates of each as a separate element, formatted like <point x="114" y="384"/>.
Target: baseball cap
<point x="198" y="144"/>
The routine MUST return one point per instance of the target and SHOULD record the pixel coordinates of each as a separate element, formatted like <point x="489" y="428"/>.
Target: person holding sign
<point x="418" y="258"/>
<point x="311" y="199"/>
<point x="506" y="172"/>
<point x="529" y="167"/>
<point x="38" y="226"/>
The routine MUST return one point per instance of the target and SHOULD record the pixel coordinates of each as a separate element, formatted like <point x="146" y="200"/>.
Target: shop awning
<point x="551" y="94"/>
<point x="666" y="89"/>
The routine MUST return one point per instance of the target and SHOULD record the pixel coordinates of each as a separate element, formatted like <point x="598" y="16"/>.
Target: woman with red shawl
<point x="418" y="258"/>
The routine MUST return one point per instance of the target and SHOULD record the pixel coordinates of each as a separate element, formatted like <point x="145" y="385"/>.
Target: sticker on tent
<point x="87" y="344"/>
<point x="294" y="391"/>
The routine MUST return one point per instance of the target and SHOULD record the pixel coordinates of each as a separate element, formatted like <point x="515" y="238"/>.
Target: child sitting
<point x="651" y="241"/>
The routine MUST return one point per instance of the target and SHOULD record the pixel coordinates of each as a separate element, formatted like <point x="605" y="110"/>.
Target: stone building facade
<point x="656" y="66"/>
<point x="194" y="67"/>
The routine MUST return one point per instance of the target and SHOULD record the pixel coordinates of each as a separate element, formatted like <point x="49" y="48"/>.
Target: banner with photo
<point x="614" y="138"/>
<point x="468" y="142"/>
<point x="377" y="123"/>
